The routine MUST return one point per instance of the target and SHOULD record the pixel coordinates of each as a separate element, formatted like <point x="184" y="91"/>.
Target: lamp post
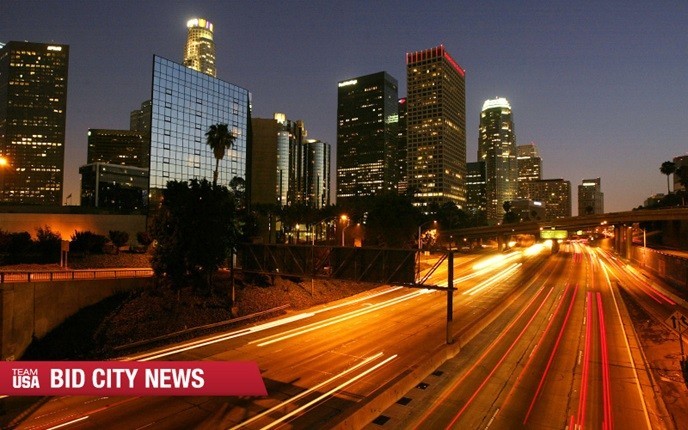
<point x="420" y="231"/>
<point x="348" y="224"/>
<point x="3" y="165"/>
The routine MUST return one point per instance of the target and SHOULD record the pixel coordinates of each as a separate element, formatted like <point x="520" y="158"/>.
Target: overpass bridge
<point x="621" y="221"/>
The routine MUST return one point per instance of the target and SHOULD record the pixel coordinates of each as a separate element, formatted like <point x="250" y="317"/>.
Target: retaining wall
<point x="673" y="269"/>
<point x="33" y="309"/>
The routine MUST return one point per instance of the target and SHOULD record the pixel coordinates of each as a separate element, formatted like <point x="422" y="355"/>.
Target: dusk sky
<point x="600" y="87"/>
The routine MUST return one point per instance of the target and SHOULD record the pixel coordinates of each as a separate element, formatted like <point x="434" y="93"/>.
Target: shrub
<point x="144" y="238"/>
<point x="119" y="238"/>
<point x="87" y="242"/>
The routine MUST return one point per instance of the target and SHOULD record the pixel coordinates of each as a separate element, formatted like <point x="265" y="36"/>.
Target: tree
<point x="48" y="245"/>
<point x="510" y="216"/>
<point x="667" y="168"/>
<point x="219" y="139"/>
<point x="195" y="229"/>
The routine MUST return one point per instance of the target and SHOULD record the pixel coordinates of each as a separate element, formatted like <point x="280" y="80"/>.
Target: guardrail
<point x="70" y="275"/>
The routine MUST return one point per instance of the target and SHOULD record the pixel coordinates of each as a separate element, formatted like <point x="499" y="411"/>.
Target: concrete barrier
<point x="32" y="309"/>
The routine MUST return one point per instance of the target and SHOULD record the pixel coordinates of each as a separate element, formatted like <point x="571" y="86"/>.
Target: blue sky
<point x="600" y="87"/>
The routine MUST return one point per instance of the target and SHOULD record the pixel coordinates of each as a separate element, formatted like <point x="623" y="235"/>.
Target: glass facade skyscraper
<point x="199" y="52"/>
<point x="185" y="103"/>
<point x="436" y="128"/>
<point x="33" y="109"/>
<point x="497" y="148"/>
<point x="287" y="168"/>
<point x="367" y="128"/>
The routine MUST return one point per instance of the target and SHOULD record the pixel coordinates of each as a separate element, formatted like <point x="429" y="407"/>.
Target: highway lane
<point x="562" y="361"/>
<point x="402" y="331"/>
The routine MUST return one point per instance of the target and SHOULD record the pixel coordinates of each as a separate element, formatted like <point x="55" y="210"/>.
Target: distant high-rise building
<point x="117" y="147"/>
<point x="33" y="109"/>
<point x="286" y="167"/>
<point x="554" y="194"/>
<point x="140" y="119"/>
<point x="475" y="188"/>
<point x="402" y="162"/>
<point x="590" y="197"/>
<point x="497" y="148"/>
<point x="114" y="187"/>
<point x="185" y="104"/>
<point x="367" y="127"/>
<point x="318" y="173"/>
<point x="529" y="162"/>
<point x="436" y="128"/>
<point x="680" y="162"/>
<point x="199" y="52"/>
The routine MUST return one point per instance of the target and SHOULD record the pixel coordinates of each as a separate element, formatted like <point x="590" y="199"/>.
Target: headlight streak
<point x="239" y="333"/>
<point x="334" y="320"/>
<point x="329" y="393"/>
<point x="489" y="282"/>
<point x="306" y="392"/>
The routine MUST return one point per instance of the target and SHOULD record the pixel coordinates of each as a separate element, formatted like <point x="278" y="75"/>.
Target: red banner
<point x="131" y="378"/>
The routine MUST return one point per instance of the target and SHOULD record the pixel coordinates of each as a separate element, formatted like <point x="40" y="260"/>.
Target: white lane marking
<point x="306" y="392"/>
<point x="329" y="393"/>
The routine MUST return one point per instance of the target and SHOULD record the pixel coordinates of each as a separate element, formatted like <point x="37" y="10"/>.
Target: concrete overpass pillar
<point x="500" y="243"/>
<point x="629" y="242"/>
<point x="618" y="231"/>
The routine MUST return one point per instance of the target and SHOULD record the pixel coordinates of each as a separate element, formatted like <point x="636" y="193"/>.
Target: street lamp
<point x="419" y="230"/>
<point x="348" y="224"/>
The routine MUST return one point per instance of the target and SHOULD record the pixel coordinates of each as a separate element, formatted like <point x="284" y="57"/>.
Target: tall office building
<point x="475" y="188"/>
<point x="436" y="128"/>
<point x="367" y="127"/>
<point x="497" y="148"/>
<point x="681" y="162"/>
<point x="554" y="194"/>
<point x="124" y="147"/>
<point x="590" y="197"/>
<point x="402" y="162"/>
<point x="286" y="167"/>
<point x="33" y="109"/>
<point x="140" y="119"/>
<point x="199" y="52"/>
<point x="317" y="173"/>
<point x="529" y="166"/>
<point x="185" y="104"/>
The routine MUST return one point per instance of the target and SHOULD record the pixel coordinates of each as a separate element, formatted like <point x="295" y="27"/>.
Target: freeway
<point x="318" y="365"/>
<point x="564" y="358"/>
<point x="545" y="343"/>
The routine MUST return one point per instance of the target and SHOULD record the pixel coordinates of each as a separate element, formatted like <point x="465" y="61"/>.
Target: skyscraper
<point x="497" y="148"/>
<point x="475" y="188"/>
<point x="185" y="104"/>
<point x="317" y="173"/>
<point x="286" y="167"/>
<point x="367" y="121"/>
<point x="124" y="147"/>
<point x="436" y="128"/>
<point x="199" y="52"/>
<point x="590" y="197"/>
<point x="33" y="109"/>
<point x="555" y="194"/>
<point x="402" y="163"/>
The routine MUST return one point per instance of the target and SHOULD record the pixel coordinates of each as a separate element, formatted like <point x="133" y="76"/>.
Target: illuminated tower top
<point x="199" y="53"/>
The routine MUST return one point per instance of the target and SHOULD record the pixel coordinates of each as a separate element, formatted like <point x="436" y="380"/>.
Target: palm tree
<point x="219" y="139"/>
<point x="667" y="168"/>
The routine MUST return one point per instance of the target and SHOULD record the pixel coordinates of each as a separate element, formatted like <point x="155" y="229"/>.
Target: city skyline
<point x="588" y="83"/>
